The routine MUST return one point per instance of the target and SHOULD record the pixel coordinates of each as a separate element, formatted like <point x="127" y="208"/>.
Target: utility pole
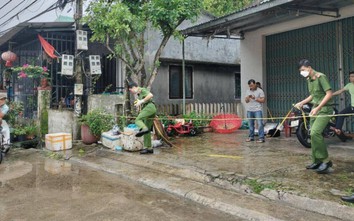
<point x="183" y="78"/>
<point x="78" y="60"/>
<point x="78" y="70"/>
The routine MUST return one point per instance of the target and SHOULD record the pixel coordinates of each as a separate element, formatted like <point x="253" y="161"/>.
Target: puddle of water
<point x="57" y="166"/>
<point x="46" y="189"/>
<point x="14" y="170"/>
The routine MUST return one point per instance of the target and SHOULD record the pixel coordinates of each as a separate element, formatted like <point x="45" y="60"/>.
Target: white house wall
<point x="252" y="48"/>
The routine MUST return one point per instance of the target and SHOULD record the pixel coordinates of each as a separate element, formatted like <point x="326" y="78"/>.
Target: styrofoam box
<point x="110" y="141"/>
<point x="132" y="143"/>
<point x="58" y="141"/>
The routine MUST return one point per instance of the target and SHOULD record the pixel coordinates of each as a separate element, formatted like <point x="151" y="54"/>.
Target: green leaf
<point x="224" y="7"/>
<point x="125" y="21"/>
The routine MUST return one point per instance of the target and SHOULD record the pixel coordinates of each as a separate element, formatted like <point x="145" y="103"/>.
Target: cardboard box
<point x="110" y="141"/>
<point x="58" y="141"/>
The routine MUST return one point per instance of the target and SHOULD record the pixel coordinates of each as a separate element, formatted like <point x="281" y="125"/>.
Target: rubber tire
<point x="192" y="132"/>
<point x="302" y="135"/>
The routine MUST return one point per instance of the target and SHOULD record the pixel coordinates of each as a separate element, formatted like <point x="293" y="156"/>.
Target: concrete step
<point x="190" y="184"/>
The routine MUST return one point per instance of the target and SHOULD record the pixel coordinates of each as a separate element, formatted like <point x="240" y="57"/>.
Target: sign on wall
<point x="79" y="89"/>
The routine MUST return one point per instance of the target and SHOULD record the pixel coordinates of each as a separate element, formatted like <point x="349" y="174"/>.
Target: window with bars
<point x="237" y="85"/>
<point x="176" y="82"/>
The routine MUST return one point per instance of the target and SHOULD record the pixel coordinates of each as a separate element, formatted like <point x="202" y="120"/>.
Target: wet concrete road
<point x="279" y="160"/>
<point x="37" y="187"/>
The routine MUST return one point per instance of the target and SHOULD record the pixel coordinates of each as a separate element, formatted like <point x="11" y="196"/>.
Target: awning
<point x="48" y="26"/>
<point x="267" y="12"/>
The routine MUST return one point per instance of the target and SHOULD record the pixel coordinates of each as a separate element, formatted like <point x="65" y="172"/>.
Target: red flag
<point x="48" y="48"/>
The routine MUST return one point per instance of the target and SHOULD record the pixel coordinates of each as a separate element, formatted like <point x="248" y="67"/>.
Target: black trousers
<point x="340" y="119"/>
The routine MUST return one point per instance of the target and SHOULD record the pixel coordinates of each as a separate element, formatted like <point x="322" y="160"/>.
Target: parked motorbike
<point x="300" y="120"/>
<point x="181" y="128"/>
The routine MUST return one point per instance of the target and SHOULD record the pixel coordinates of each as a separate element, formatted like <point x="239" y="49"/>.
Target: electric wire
<point x="13" y="9"/>
<point x="38" y="8"/>
<point x="50" y="8"/>
<point x="17" y="14"/>
<point x="5" y="4"/>
<point x="26" y="8"/>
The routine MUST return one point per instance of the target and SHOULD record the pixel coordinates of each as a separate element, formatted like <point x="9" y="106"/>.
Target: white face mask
<point x="305" y="73"/>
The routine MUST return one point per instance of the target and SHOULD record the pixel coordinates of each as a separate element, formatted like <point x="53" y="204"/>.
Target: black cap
<point x="132" y="84"/>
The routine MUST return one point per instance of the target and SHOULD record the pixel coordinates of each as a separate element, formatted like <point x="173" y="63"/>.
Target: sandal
<point x="249" y="140"/>
<point x="260" y="141"/>
<point x="338" y="131"/>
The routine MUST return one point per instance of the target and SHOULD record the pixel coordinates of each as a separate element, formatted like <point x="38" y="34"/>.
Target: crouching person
<point x="146" y="115"/>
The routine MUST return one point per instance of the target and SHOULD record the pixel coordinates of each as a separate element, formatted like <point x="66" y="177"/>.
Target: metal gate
<point x="347" y="27"/>
<point x="24" y="90"/>
<point x="319" y="44"/>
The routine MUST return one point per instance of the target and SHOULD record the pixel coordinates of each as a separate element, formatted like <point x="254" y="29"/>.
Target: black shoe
<point x="313" y="166"/>
<point x="142" y="132"/>
<point x="147" y="151"/>
<point x="324" y="168"/>
<point x="349" y="199"/>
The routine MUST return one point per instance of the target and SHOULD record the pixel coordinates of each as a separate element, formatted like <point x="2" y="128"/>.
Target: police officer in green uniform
<point x="147" y="113"/>
<point x="321" y="98"/>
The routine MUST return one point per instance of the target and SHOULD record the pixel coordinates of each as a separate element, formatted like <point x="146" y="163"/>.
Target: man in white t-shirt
<point x="348" y="110"/>
<point x="255" y="99"/>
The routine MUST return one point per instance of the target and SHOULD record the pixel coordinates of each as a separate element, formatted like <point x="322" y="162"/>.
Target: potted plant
<point x="26" y="130"/>
<point x="31" y="71"/>
<point x="13" y="117"/>
<point x="15" y="112"/>
<point x="94" y="123"/>
<point x="31" y="131"/>
<point x="20" y="132"/>
<point x="201" y="121"/>
<point x="44" y="84"/>
<point x="35" y="72"/>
